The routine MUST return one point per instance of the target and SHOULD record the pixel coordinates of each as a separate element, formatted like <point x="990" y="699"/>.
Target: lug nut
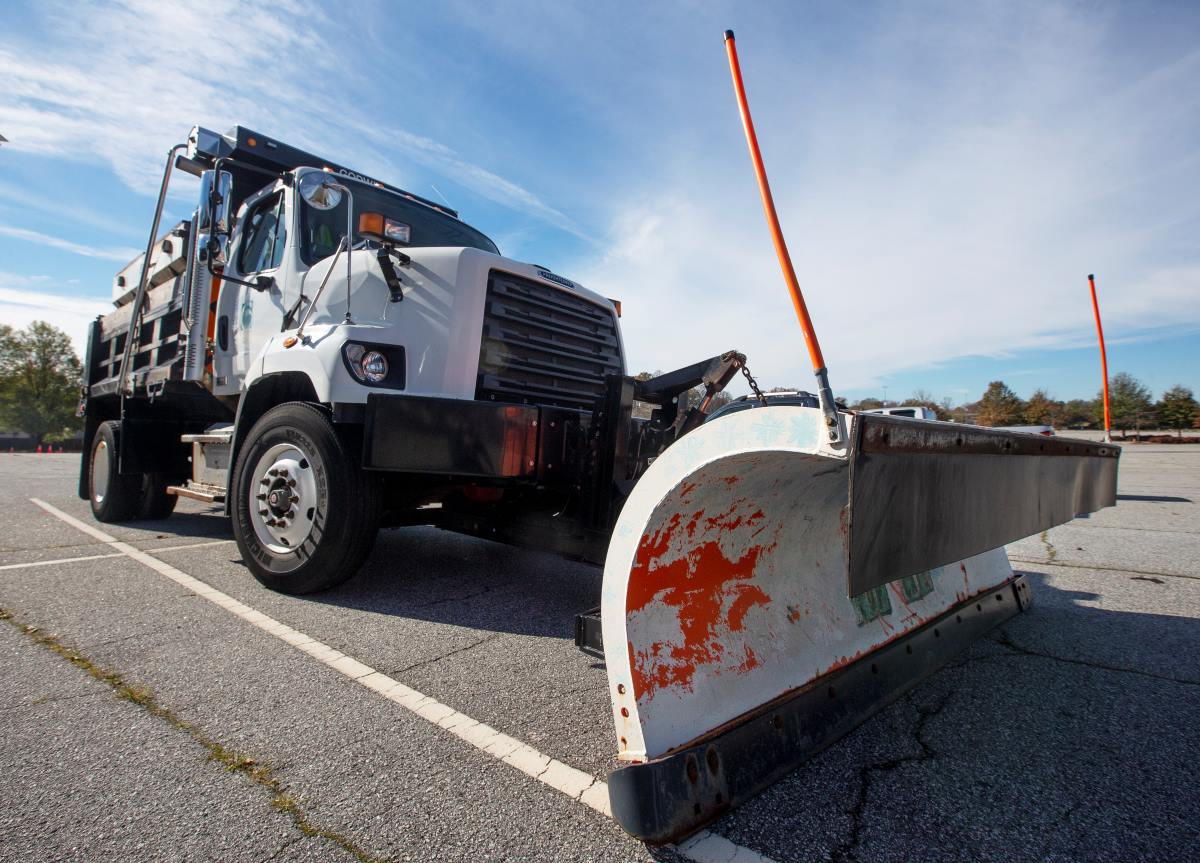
<point x="292" y="514"/>
<point x="272" y="472"/>
<point x="262" y="512"/>
<point x="261" y="496"/>
<point x="295" y="499"/>
<point x="291" y="483"/>
<point x="283" y="472"/>
<point x="264" y="481"/>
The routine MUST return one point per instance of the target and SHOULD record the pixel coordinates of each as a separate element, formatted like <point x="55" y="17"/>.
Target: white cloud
<point x="929" y="218"/>
<point x="124" y="255"/>
<point x="25" y="299"/>
<point x="123" y="81"/>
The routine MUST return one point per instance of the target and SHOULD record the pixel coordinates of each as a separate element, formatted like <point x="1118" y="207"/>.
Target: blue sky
<point x="947" y="174"/>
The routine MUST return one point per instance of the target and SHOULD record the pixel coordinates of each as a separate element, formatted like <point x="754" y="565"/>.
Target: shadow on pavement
<point x="1068" y="733"/>
<point x="429" y="574"/>
<point x="210" y="524"/>
<point x="1154" y="498"/>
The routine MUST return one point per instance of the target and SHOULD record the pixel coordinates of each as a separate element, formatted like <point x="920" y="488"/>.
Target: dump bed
<point x="158" y="351"/>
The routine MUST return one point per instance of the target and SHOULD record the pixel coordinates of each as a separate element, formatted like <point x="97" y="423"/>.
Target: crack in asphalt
<point x="285" y="846"/>
<point x="48" y="699"/>
<point x="4" y="548"/>
<point x="1051" y="551"/>
<point x="109" y="641"/>
<point x="1127" y="529"/>
<point x="462" y="598"/>
<point x="1005" y="640"/>
<point x="1063" y="819"/>
<point x="261" y="774"/>
<point x="578" y="690"/>
<point x="446" y="655"/>
<point x="1099" y="568"/>
<point x="847" y="852"/>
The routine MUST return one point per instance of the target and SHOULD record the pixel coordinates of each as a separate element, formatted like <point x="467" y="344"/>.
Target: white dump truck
<point x="326" y="354"/>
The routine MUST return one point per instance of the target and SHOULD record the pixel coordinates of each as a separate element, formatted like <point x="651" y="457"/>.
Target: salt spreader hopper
<point x="780" y="574"/>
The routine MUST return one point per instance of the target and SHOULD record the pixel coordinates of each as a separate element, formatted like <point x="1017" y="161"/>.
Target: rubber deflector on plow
<point x="754" y="565"/>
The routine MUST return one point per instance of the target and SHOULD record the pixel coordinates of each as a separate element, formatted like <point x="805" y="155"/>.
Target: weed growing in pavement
<point x="230" y="759"/>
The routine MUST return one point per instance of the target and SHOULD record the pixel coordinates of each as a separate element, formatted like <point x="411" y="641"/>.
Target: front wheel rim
<point x="282" y="498"/>
<point x="100" y="472"/>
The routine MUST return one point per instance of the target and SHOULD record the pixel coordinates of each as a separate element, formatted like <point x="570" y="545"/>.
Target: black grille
<point x="543" y="345"/>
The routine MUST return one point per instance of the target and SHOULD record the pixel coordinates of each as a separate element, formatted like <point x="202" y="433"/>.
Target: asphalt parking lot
<point x="155" y="707"/>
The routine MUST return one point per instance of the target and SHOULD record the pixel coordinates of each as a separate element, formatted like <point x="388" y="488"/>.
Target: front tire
<point x="305" y="515"/>
<point x="114" y="496"/>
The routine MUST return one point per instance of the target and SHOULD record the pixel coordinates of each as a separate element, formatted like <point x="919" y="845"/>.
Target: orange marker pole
<point x="1103" y="359"/>
<point x="833" y="420"/>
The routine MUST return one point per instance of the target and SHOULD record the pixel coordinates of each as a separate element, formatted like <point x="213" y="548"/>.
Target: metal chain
<point x="753" y="384"/>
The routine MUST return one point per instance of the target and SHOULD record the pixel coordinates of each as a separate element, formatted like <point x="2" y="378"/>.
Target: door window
<point x="264" y="237"/>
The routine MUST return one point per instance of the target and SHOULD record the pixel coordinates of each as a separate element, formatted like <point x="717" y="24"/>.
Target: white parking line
<point x="704" y="847"/>
<point x="59" y="560"/>
<point x="185" y="547"/>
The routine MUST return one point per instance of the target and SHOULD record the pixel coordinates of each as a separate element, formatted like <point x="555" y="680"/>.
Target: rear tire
<point x="156" y="504"/>
<point x="115" y="497"/>
<point x="305" y="514"/>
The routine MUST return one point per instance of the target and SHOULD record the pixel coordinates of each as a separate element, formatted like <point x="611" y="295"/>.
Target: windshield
<point x="322" y="230"/>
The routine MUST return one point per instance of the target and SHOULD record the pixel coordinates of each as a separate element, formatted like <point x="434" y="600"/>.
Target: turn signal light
<point x="371" y="224"/>
<point x="379" y="227"/>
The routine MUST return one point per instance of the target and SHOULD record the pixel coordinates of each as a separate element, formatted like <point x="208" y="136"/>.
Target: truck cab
<point x="363" y="342"/>
<point x="284" y="248"/>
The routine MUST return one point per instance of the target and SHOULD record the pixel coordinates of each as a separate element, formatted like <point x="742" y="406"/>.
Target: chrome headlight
<point x="375" y="365"/>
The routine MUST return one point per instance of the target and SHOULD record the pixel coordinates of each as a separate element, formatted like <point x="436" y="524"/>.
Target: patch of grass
<point x="232" y="760"/>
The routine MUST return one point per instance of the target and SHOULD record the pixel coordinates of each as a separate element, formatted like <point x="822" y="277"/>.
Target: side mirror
<point x="213" y="214"/>
<point x="320" y="190"/>
<point x="215" y="189"/>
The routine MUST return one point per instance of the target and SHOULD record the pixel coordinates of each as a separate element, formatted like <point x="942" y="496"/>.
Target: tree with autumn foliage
<point x="1000" y="406"/>
<point x="1041" y="410"/>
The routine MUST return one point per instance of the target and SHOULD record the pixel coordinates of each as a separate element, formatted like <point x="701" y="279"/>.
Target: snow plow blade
<point x="765" y="593"/>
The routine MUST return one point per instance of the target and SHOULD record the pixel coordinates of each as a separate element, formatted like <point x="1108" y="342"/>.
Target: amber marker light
<point x="371" y="224"/>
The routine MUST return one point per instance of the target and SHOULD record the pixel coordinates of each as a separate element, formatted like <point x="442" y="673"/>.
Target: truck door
<point x="249" y="316"/>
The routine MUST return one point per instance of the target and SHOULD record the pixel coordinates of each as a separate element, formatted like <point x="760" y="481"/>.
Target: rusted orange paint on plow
<point x="711" y="593"/>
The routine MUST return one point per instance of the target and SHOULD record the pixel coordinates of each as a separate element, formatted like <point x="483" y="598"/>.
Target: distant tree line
<point x="1131" y="405"/>
<point x="40" y="378"/>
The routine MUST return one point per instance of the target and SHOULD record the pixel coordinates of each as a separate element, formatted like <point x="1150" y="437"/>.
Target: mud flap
<point x="726" y="605"/>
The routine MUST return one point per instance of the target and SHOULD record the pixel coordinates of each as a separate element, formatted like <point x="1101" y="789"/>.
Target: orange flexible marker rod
<point x="1103" y="359"/>
<point x="837" y="433"/>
